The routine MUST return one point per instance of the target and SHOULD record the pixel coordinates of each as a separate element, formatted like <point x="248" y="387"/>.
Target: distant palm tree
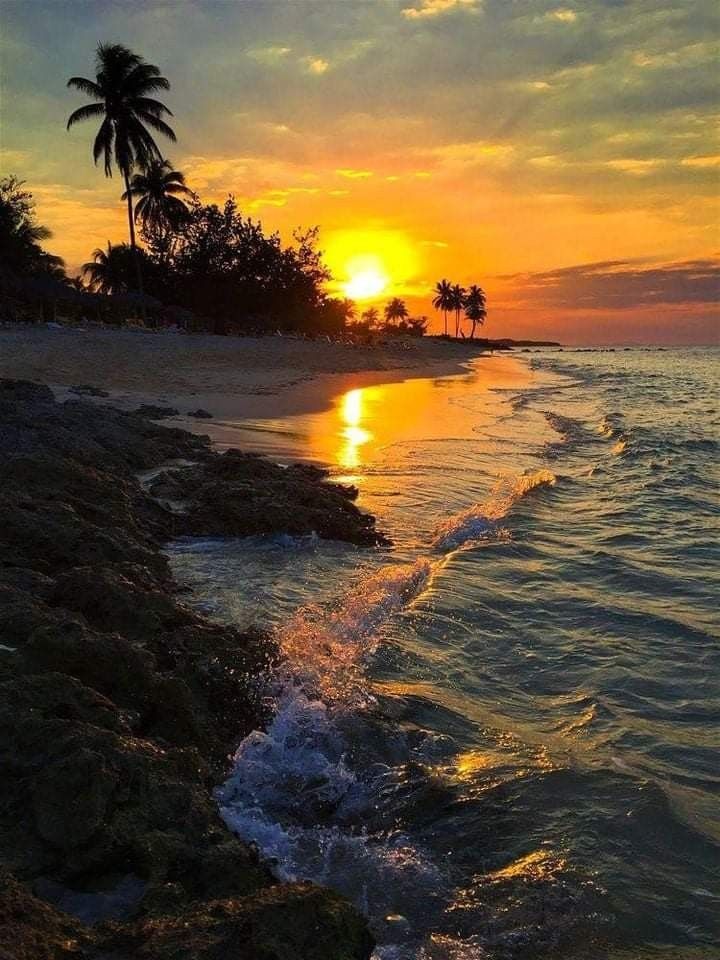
<point x="443" y="299"/>
<point x="122" y="86"/>
<point x="370" y="316"/>
<point x="109" y="270"/>
<point x="159" y="189"/>
<point x="475" y="307"/>
<point x="395" y="309"/>
<point x="458" y="302"/>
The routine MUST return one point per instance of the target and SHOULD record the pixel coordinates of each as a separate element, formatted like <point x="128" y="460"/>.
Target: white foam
<point x="482" y="520"/>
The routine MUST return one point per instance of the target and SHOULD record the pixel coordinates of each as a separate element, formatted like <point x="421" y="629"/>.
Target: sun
<point x="365" y="284"/>
<point x="368" y="264"/>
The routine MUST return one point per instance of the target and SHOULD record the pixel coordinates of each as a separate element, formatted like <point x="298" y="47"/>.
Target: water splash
<point x="481" y="521"/>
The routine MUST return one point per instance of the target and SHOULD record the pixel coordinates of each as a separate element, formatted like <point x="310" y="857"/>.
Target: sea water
<point x="500" y="737"/>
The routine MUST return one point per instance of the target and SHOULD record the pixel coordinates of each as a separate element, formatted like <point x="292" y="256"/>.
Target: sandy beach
<point x="230" y="377"/>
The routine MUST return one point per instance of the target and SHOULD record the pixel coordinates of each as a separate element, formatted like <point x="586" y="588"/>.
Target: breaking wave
<point x="482" y="520"/>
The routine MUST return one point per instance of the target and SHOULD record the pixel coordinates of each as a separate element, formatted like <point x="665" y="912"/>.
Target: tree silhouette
<point x="475" y="307"/>
<point x="395" y="309"/>
<point x="370" y="317"/>
<point x="109" y="271"/>
<point x="458" y="302"/>
<point x="21" y="234"/>
<point x="443" y="299"/>
<point x="158" y="190"/>
<point x="122" y="87"/>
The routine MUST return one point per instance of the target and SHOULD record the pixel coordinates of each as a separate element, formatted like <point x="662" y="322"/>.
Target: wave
<point x="482" y="521"/>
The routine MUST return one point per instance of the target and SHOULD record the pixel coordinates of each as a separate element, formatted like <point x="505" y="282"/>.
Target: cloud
<point x="269" y="55"/>
<point x="351" y="174"/>
<point x="435" y="8"/>
<point x="561" y="15"/>
<point x="620" y="285"/>
<point x="316" y="65"/>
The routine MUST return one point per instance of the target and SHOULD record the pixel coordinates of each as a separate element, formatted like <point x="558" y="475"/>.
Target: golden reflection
<point x="354" y="436"/>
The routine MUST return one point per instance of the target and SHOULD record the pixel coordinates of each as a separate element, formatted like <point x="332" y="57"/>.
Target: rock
<point x="85" y="390"/>
<point x="70" y="799"/>
<point x="33" y="930"/>
<point x="119" y="706"/>
<point x="200" y="414"/>
<point x="153" y="412"/>
<point x="290" y="922"/>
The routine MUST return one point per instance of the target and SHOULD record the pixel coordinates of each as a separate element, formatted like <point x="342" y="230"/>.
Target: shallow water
<point x="500" y="736"/>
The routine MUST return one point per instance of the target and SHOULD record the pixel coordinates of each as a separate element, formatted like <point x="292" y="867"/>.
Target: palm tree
<point x="475" y="306"/>
<point x="109" y="270"/>
<point x="395" y="309"/>
<point x="159" y="189"/>
<point x="122" y="86"/>
<point x="443" y="299"/>
<point x="370" y="317"/>
<point x="458" y="302"/>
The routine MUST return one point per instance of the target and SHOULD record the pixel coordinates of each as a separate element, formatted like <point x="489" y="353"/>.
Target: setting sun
<point x="366" y="284"/>
<point x="368" y="264"/>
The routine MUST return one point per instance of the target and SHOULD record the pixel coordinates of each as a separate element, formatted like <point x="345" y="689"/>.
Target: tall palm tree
<point x="475" y="306"/>
<point x="458" y="302"/>
<point x="395" y="309"/>
<point x="158" y="189"/>
<point x="443" y="299"/>
<point x="109" y="270"/>
<point x="122" y="87"/>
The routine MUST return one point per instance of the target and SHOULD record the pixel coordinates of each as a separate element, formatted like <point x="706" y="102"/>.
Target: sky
<point x="563" y="155"/>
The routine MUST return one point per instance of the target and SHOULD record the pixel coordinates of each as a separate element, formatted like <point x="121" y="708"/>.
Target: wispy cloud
<point x="621" y="284"/>
<point x="429" y="9"/>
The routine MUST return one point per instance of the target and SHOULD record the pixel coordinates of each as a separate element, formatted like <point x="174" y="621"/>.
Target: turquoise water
<point x="501" y="736"/>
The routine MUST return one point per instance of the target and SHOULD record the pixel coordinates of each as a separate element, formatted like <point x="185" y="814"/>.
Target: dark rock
<point x="200" y="414"/>
<point x="293" y="922"/>
<point x="85" y="390"/>
<point x="119" y="706"/>
<point x="153" y="412"/>
<point x="33" y="930"/>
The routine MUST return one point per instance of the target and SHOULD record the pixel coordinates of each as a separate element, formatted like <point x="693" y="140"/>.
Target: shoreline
<point x="231" y="377"/>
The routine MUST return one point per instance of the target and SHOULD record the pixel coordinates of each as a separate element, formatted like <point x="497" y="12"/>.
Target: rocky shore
<point x="120" y="706"/>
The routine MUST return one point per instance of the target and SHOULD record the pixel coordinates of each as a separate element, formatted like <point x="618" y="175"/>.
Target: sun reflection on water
<point x="354" y="436"/>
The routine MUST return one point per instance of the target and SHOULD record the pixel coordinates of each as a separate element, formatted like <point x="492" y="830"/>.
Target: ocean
<point x="499" y="736"/>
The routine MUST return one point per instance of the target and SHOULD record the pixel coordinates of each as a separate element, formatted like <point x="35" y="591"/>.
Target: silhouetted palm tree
<point x="370" y="316"/>
<point x="109" y="270"/>
<point x="159" y="189"/>
<point x="458" y="302"/>
<point x="395" y="309"/>
<point x="443" y="299"/>
<point x="122" y="87"/>
<point x="475" y="307"/>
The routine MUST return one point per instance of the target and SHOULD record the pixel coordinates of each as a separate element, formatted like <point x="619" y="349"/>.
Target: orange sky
<point x="564" y="156"/>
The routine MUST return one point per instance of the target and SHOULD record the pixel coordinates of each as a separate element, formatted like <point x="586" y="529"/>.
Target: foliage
<point x="224" y="267"/>
<point x="21" y="253"/>
<point x="122" y="87"/>
<point x="443" y="299"/>
<point x="475" y="307"/>
<point x="160" y="208"/>
<point x="473" y="302"/>
<point x="110" y="271"/>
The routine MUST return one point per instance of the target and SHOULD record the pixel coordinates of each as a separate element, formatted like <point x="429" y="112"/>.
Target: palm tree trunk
<point x="133" y="246"/>
<point x="445" y="312"/>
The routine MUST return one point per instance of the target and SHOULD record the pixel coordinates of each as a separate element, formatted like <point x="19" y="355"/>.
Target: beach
<point x="227" y="376"/>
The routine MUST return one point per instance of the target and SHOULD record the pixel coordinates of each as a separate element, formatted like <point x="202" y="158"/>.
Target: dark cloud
<point x="621" y="284"/>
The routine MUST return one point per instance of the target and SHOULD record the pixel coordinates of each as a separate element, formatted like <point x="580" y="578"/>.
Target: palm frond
<point x="158" y="125"/>
<point x="86" y="86"/>
<point x="88" y="112"/>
